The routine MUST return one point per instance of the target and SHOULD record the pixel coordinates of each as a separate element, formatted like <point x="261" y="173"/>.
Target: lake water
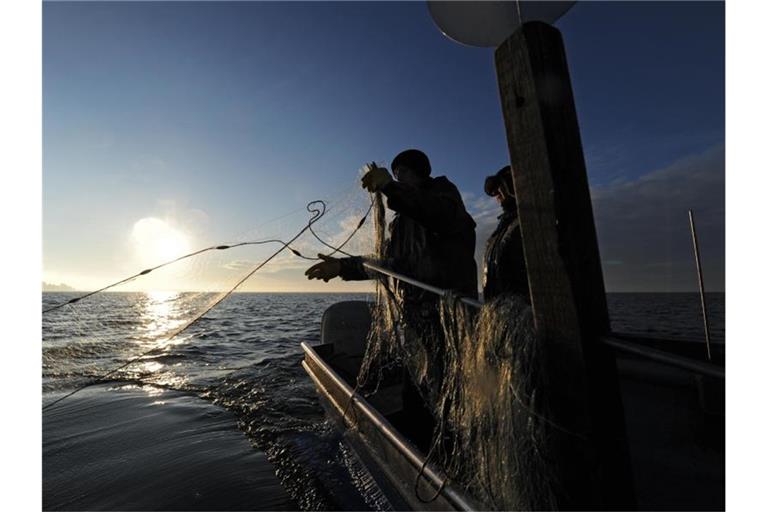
<point x="226" y="418"/>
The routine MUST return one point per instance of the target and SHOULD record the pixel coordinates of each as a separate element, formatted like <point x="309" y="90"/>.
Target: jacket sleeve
<point x="352" y="268"/>
<point x="439" y="209"/>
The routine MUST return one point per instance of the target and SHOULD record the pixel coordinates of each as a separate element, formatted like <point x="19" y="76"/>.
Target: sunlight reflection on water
<point x="160" y="314"/>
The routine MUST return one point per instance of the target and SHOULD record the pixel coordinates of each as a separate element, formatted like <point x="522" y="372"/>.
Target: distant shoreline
<point x="344" y="293"/>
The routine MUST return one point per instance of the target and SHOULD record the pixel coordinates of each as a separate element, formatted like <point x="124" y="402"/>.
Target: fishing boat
<point x="651" y="411"/>
<point x="673" y="403"/>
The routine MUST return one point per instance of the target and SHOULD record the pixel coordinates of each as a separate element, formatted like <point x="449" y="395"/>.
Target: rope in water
<point x="315" y="208"/>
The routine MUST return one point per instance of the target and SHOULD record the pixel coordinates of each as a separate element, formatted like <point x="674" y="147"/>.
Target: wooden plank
<point x="564" y="272"/>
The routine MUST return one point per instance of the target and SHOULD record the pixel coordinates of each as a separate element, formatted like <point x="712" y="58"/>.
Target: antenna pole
<point x="701" y="282"/>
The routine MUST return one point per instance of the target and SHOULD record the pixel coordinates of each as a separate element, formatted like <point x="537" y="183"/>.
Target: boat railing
<point x="661" y="356"/>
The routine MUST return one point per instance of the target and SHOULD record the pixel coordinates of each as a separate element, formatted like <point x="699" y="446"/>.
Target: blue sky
<point x="218" y="116"/>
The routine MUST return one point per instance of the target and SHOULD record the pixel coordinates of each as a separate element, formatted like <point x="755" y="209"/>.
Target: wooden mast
<point x="564" y="271"/>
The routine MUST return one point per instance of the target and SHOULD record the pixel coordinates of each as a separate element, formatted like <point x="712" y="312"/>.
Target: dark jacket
<point x="431" y="238"/>
<point x="504" y="263"/>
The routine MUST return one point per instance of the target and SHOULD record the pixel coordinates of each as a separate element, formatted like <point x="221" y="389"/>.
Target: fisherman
<point x="504" y="268"/>
<point x="432" y="239"/>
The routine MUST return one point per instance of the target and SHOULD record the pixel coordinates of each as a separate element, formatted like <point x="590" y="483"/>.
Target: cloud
<point x="485" y="210"/>
<point x="239" y="264"/>
<point x="643" y="230"/>
<point x="642" y="225"/>
<point x="61" y="287"/>
<point x="334" y="231"/>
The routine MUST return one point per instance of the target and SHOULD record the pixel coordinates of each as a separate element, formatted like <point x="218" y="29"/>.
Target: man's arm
<point x="348" y="269"/>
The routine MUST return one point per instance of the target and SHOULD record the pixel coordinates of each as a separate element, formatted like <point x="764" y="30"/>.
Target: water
<point x="674" y="315"/>
<point x="233" y="390"/>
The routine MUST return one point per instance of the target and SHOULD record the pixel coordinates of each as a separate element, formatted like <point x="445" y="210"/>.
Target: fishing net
<point x="480" y="374"/>
<point x="146" y="326"/>
<point x="491" y="405"/>
<point x="382" y="353"/>
<point x="404" y="319"/>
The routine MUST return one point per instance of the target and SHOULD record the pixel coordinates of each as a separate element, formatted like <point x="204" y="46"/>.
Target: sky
<point x="168" y="127"/>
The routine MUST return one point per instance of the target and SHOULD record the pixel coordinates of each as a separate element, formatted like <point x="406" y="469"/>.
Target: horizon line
<point x="322" y="292"/>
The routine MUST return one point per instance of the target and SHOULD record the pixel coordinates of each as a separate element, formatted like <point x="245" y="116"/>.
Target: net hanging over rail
<point x="481" y="375"/>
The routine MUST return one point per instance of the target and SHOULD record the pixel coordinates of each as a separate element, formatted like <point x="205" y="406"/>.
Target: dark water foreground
<point x="228" y="420"/>
<point x="196" y="426"/>
<point x="129" y="447"/>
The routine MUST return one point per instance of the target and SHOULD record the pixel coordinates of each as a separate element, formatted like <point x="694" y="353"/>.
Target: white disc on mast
<point x="489" y="23"/>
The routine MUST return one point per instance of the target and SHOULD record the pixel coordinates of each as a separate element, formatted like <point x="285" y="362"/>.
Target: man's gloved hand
<point x="327" y="269"/>
<point x="375" y="179"/>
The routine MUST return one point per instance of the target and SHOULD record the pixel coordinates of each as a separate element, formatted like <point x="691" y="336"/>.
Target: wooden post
<point x="564" y="272"/>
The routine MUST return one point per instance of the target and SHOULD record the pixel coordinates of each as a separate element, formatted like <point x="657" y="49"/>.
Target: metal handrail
<point x="382" y="424"/>
<point x="661" y="356"/>
<point x="434" y="289"/>
<point x="709" y="369"/>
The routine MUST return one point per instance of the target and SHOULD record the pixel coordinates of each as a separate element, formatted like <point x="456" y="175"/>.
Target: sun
<point x="156" y="241"/>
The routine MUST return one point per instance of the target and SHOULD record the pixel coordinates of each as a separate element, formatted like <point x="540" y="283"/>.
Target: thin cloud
<point x="485" y="210"/>
<point x="643" y="229"/>
<point x="239" y="264"/>
<point x="642" y="225"/>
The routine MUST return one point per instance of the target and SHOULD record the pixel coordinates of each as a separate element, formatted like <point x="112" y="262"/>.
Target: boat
<point x="673" y="402"/>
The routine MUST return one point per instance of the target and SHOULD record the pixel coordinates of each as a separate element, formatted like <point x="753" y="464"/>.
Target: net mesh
<point x="480" y="374"/>
<point x="491" y="406"/>
<point x="149" y="317"/>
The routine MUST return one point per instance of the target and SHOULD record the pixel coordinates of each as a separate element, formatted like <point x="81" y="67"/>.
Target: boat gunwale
<point x="414" y="457"/>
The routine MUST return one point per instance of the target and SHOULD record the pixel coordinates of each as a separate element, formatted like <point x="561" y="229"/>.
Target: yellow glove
<point x="375" y="179"/>
<point x="327" y="269"/>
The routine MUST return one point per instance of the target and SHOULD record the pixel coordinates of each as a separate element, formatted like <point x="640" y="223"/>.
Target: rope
<point x="315" y="208"/>
<point x="225" y="247"/>
<point x="338" y="249"/>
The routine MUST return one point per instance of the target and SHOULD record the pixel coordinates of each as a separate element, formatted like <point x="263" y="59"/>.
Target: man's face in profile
<point x="407" y="176"/>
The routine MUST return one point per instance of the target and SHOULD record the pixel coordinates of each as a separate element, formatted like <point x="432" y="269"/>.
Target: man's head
<point x="500" y="186"/>
<point x="411" y="167"/>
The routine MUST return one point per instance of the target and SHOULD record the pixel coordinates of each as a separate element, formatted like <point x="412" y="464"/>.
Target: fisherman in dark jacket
<point x="504" y="268"/>
<point x="432" y="239"/>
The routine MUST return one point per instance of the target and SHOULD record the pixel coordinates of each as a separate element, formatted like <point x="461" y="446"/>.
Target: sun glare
<point x="156" y="241"/>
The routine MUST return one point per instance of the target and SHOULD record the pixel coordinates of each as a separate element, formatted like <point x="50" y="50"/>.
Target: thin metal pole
<point x="701" y="283"/>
